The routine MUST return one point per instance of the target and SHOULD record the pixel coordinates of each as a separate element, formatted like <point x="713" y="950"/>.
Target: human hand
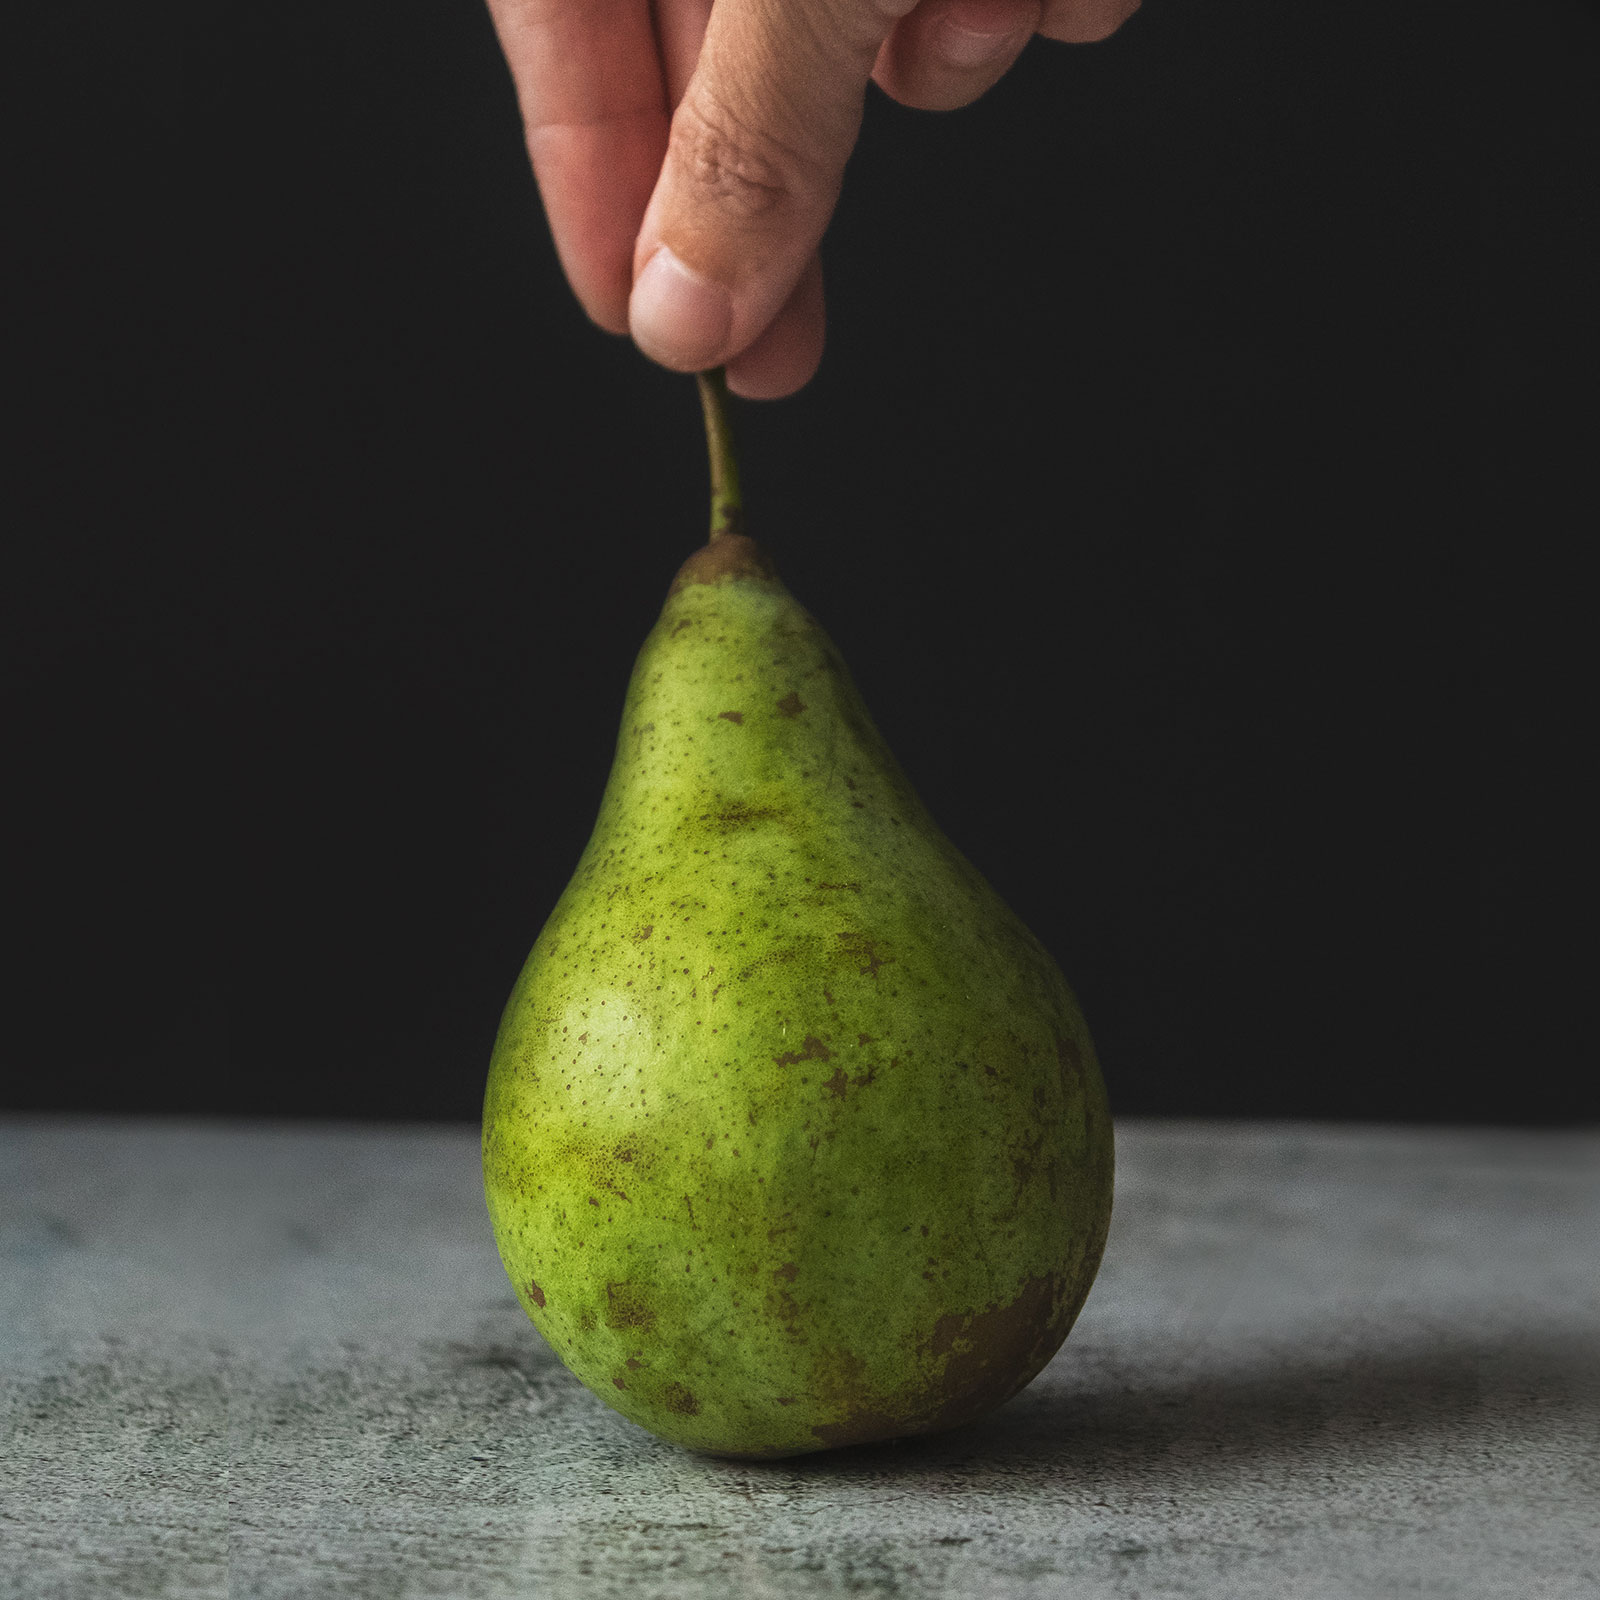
<point x="696" y="229"/>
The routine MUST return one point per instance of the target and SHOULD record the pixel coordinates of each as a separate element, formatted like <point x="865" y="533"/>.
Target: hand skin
<point x="696" y="229"/>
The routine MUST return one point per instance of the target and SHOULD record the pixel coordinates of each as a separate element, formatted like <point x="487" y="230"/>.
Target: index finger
<point x="595" y="111"/>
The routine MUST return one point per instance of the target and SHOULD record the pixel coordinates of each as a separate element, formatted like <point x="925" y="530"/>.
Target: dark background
<point x="1194" y="481"/>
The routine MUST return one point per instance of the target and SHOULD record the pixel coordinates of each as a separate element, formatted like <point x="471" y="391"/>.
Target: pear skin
<point x="794" y="1135"/>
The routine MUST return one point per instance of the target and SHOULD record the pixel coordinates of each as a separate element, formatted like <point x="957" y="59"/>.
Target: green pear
<point x="794" y="1135"/>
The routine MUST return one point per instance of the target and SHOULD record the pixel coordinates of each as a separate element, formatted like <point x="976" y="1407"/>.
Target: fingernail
<point x="961" y="47"/>
<point x="678" y="317"/>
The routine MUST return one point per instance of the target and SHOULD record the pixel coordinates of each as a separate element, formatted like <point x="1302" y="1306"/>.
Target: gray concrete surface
<point x="285" y="1363"/>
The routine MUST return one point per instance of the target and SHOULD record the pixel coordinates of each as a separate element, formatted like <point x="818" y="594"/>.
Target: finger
<point x="1084" y="21"/>
<point x="594" y="108"/>
<point x="786" y="356"/>
<point x="680" y="32"/>
<point x="948" y="52"/>
<point x="753" y="167"/>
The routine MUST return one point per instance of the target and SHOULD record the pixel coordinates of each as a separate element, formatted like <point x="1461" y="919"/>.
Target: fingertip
<point x="609" y="315"/>
<point x="786" y="356"/>
<point x="599" y="287"/>
<point x="948" y="53"/>
<point x="1084" y="21"/>
<point x="761" y="375"/>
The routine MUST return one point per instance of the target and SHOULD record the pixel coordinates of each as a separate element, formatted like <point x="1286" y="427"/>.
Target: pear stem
<point x="727" y="505"/>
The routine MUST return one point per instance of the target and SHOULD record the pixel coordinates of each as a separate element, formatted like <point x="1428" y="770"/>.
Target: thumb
<point x="754" y="163"/>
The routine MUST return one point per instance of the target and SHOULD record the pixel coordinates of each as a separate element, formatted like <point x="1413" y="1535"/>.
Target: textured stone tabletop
<point x="284" y="1362"/>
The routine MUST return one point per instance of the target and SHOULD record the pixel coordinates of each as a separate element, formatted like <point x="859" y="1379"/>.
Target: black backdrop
<point x="1189" y="483"/>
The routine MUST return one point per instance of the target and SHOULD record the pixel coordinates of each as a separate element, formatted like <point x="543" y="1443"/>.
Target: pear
<point x="794" y="1135"/>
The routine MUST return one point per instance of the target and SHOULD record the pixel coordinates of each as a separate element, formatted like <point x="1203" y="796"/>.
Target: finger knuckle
<point x="743" y="172"/>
